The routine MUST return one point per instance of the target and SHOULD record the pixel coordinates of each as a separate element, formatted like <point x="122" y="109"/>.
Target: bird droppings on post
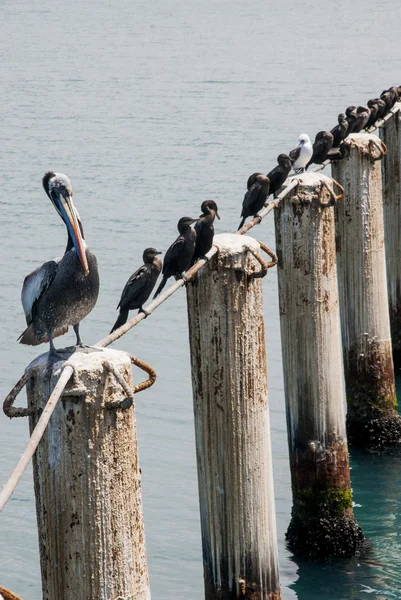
<point x="372" y="419"/>
<point x="322" y="523"/>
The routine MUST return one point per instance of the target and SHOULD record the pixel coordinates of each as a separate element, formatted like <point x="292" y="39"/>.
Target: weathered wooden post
<point x="323" y="522"/>
<point x="87" y="482"/>
<point x="232" y="425"/>
<point x="372" y="418"/>
<point x="390" y="133"/>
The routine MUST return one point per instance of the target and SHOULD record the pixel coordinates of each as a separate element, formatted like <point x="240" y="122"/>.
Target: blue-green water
<point x="150" y="108"/>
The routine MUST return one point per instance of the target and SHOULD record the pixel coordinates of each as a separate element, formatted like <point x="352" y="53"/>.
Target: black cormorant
<point x="139" y="286"/>
<point x="204" y="229"/>
<point x="178" y="257"/>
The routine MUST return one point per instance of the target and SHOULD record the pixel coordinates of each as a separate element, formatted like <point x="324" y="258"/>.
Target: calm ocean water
<point x="150" y="108"/>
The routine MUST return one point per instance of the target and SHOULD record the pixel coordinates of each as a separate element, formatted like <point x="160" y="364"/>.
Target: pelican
<point x="62" y="291"/>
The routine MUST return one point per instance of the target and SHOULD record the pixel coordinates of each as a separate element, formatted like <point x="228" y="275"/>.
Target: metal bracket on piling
<point x="334" y="198"/>
<point x="382" y="149"/>
<point x="9" y="409"/>
<point x="129" y="400"/>
<point x="265" y="266"/>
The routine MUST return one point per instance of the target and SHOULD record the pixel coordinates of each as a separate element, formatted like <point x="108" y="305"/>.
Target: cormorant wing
<point x="134" y="285"/>
<point x="198" y="227"/>
<point x="35" y="284"/>
<point x="294" y="154"/>
<point x="173" y="253"/>
<point x="250" y="199"/>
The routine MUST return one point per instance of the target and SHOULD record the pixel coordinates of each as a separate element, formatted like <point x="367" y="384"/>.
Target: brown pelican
<point x="178" y="257"/>
<point x="139" y="286"/>
<point x="204" y="229"/>
<point x="62" y="291"/>
<point x="302" y="154"/>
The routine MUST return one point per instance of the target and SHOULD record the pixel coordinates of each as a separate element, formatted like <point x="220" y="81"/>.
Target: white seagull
<point x="302" y="154"/>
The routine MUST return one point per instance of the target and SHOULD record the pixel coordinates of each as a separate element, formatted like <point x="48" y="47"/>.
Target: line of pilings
<point x="86" y="473"/>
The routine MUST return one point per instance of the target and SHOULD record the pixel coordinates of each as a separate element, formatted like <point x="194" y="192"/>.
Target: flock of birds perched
<point x="63" y="291"/>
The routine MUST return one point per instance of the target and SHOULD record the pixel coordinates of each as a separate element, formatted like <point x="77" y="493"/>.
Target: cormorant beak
<point x="217" y="215"/>
<point x="158" y="253"/>
<point x="70" y="218"/>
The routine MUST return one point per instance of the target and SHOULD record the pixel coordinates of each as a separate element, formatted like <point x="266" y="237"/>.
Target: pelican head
<point x="58" y="187"/>
<point x="208" y="206"/>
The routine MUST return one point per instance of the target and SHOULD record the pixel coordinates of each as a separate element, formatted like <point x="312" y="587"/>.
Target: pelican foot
<point x="86" y="349"/>
<point x="57" y="355"/>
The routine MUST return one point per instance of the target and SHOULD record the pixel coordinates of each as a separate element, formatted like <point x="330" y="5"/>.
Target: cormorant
<point x="374" y="108"/>
<point x="255" y="197"/>
<point x="204" y="230"/>
<point x="302" y="154"/>
<point x="340" y="131"/>
<point x="321" y="147"/>
<point x="362" y="116"/>
<point x="178" y="257"/>
<point x="139" y="286"/>
<point x="62" y="291"/>
<point x="279" y="174"/>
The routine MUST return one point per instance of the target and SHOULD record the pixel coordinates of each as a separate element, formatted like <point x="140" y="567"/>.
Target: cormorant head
<point x="349" y="110"/>
<point x="184" y="223"/>
<point x="209" y="206"/>
<point x="341" y="118"/>
<point x="149" y="255"/>
<point x="284" y="161"/>
<point x="58" y="187"/>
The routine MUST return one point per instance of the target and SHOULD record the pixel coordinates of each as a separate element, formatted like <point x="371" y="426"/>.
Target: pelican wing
<point x="35" y="284"/>
<point x="133" y="286"/>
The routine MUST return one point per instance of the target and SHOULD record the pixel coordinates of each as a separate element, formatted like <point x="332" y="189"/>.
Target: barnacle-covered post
<point x="323" y="522"/>
<point x="87" y="481"/>
<point x="390" y="134"/>
<point x="228" y="361"/>
<point x="372" y="418"/>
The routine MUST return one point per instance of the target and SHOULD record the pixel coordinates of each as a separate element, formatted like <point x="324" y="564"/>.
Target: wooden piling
<point x="323" y="523"/>
<point x="232" y="425"/>
<point x="372" y="418"/>
<point x="390" y="134"/>
<point x="88" y="483"/>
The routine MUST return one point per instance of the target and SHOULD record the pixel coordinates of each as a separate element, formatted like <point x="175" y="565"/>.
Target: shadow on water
<point x="376" y="484"/>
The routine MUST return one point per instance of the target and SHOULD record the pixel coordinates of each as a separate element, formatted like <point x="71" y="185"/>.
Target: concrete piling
<point x="390" y="134"/>
<point x="232" y="425"/>
<point x="323" y="523"/>
<point x="88" y="482"/>
<point x="372" y="418"/>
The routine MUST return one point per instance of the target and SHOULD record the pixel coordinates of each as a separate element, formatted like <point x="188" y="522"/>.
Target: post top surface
<point x="234" y="243"/>
<point x="309" y="178"/>
<point x="85" y="358"/>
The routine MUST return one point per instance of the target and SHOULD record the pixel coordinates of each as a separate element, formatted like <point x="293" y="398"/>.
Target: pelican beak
<point x="71" y="220"/>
